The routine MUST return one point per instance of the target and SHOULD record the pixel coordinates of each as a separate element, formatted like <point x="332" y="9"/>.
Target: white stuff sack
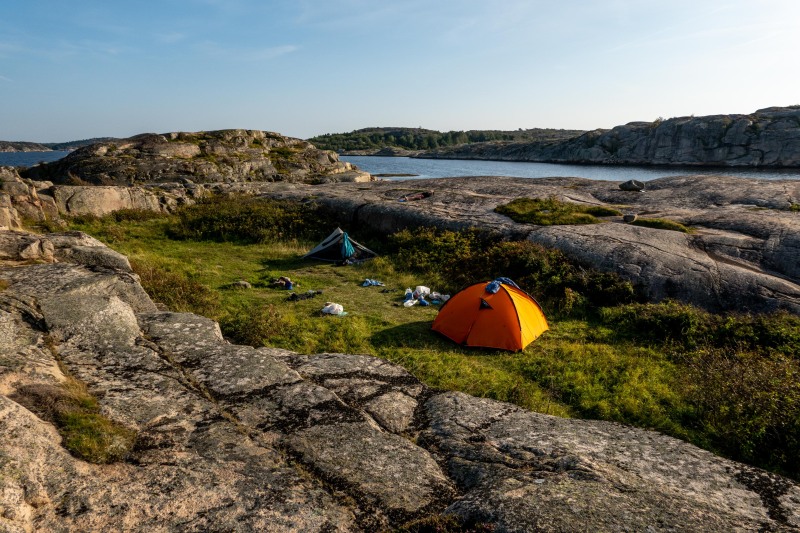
<point x="333" y="309"/>
<point x="421" y="291"/>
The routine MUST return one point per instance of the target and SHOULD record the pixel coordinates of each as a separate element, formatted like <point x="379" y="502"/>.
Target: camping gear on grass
<point x="338" y="246"/>
<point x="508" y="319"/>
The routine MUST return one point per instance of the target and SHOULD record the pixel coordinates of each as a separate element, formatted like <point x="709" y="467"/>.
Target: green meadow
<point x="729" y="383"/>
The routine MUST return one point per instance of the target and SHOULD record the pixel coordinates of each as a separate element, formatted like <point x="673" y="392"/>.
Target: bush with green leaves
<point x="254" y="327"/>
<point x="747" y="405"/>
<point x="688" y="327"/>
<point x="462" y="258"/>
<point x="247" y="219"/>
<point x="175" y="288"/>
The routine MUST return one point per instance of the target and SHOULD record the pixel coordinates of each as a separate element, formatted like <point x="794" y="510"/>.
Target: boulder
<point x="24" y="246"/>
<point x="102" y="200"/>
<point x="19" y="199"/>
<point x="632" y="185"/>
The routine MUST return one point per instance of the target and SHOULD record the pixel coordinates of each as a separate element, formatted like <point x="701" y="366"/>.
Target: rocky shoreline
<point x="767" y="138"/>
<point x="225" y="156"/>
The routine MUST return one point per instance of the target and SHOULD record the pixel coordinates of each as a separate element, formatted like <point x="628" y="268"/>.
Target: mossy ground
<point x="661" y="366"/>
<point x="550" y="211"/>
<point x="661" y="223"/>
<point x="86" y="432"/>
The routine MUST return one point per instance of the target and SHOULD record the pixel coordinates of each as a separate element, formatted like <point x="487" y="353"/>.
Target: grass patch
<point x="86" y="433"/>
<point x="661" y="223"/>
<point x="794" y="208"/>
<point x="551" y="212"/>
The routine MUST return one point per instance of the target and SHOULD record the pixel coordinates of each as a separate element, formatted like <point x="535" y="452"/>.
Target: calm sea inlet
<point x="27" y="159"/>
<point x="442" y="168"/>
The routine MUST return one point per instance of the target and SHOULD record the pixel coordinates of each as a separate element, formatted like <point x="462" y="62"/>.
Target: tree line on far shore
<point x="423" y="139"/>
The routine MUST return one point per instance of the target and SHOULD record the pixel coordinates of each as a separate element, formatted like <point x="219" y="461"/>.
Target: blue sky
<point x="86" y="68"/>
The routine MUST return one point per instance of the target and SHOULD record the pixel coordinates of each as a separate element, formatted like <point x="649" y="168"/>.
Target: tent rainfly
<point x="495" y="314"/>
<point x="338" y="246"/>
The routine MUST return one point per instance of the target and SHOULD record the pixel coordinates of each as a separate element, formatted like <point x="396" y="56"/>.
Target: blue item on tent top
<point x="347" y="248"/>
<point x="494" y="286"/>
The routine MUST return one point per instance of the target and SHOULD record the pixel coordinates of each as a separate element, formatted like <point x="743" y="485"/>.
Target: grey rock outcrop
<point x="743" y="255"/>
<point x="767" y="138"/>
<point x="40" y="201"/>
<point x="203" y="157"/>
<point x="20" y="199"/>
<point x="237" y="438"/>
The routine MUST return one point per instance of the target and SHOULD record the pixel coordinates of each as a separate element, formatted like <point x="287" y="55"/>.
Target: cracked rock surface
<point x="233" y="438"/>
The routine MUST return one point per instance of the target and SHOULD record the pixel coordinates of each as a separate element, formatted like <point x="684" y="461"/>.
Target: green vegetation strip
<point x="86" y="433"/>
<point x="608" y="355"/>
<point x="661" y="223"/>
<point x="550" y="212"/>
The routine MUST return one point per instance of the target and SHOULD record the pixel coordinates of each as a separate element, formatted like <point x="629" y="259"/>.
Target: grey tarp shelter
<point x="338" y="246"/>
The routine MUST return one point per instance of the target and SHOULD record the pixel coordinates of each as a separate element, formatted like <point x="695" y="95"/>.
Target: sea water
<point x="442" y="168"/>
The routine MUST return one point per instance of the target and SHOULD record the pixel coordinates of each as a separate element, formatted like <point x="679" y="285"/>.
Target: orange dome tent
<point x="507" y="318"/>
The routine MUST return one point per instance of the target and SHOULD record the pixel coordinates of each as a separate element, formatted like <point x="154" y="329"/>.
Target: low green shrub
<point x="661" y="223"/>
<point x="436" y="254"/>
<point x="456" y="259"/>
<point x="86" y="433"/>
<point x="246" y="219"/>
<point x="686" y="326"/>
<point x="666" y="322"/>
<point x="4" y="284"/>
<point x="550" y="211"/>
<point x="135" y="215"/>
<point x="747" y="406"/>
<point x="176" y="289"/>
